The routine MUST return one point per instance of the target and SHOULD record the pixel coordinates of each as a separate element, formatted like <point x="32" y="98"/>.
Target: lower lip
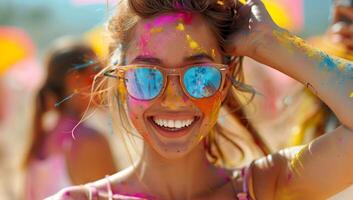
<point x="173" y="133"/>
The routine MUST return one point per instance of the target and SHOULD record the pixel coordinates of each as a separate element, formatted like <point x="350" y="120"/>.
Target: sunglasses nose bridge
<point x="174" y="93"/>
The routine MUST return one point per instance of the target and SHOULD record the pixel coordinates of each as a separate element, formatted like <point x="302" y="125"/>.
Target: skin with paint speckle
<point x="176" y="38"/>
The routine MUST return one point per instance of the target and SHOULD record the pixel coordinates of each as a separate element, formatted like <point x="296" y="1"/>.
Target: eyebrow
<point x="154" y="60"/>
<point x="147" y="59"/>
<point x="198" y="57"/>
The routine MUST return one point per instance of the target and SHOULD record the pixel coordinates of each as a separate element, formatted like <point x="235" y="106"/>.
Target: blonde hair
<point x="221" y="18"/>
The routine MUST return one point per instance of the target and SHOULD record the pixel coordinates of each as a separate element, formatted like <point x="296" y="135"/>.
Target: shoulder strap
<point x="248" y="190"/>
<point x="109" y="188"/>
<point x="92" y="191"/>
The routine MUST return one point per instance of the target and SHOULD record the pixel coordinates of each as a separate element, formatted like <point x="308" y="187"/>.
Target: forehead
<point x="173" y="36"/>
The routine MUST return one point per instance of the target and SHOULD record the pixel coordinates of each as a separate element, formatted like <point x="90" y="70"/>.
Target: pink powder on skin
<point x="143" y="44"/>
<point x="156" y="27"/>
<point x="185" y="17"/>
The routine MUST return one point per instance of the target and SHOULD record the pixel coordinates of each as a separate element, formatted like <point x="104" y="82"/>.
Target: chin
<point x="173" y="151"/>
<point x="170" y="142"/>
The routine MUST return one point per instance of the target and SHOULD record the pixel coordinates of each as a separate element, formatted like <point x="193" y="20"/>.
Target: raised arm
<point x="325" y="166"/>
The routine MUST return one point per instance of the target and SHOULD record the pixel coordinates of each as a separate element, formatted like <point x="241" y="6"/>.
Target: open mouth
<point x="173" y="127"/>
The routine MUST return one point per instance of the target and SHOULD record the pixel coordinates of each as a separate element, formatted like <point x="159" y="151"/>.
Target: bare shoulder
<point x="71" y="193"/>
<point x="267" y="170"/>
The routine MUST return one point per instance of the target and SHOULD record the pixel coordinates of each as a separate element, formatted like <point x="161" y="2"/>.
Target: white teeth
<point x="173" y="123"/>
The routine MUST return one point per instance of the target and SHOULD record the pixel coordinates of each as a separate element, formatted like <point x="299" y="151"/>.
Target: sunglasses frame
<point x="166" y="72"/>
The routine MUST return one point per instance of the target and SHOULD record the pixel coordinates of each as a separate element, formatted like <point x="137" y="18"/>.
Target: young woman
<point x="54" y="159"/>
<point x="175" y="64"/>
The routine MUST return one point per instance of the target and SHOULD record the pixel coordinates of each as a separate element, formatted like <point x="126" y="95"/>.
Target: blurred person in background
<point x="69" y="152"/>
<point x="17" y="63"/>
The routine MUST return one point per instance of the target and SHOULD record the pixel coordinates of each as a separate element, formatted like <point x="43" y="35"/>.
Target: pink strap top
<point x="247" y="181"/>
<point x="245" y="173"/>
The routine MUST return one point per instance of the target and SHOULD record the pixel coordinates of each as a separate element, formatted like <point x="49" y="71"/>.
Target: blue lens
<point x="202" y="81"/>
<point x="143" y="83"/>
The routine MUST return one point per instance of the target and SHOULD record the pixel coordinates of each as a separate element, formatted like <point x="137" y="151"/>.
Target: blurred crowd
<point x="52" y="134"/>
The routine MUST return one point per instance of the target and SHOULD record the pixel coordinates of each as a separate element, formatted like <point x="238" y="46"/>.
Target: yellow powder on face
<point x="213" y="53"/>
<point x="351" y="95"/>
<point x="156" y="30"/>
<point x="180" y="27"/>
<point x="192" y="43"/>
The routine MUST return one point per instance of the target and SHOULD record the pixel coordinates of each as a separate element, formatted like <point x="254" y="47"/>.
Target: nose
<point x="174" y="97"/>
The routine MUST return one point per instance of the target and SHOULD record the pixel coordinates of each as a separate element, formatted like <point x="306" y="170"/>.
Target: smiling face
<point x="173" y="123"/>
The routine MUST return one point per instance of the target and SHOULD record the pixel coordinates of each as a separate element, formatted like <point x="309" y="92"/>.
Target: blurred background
<point x="29" y="27"/>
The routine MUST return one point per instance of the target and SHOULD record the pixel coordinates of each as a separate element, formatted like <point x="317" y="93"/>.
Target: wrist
<point x="265" y="41"/>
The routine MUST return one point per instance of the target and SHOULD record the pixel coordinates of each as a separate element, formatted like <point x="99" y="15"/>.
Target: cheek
<point x="210" y="108"/>
<point x="136" y="108"/>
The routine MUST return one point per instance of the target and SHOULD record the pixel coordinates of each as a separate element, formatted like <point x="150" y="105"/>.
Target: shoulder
<point x="267" y="170"/>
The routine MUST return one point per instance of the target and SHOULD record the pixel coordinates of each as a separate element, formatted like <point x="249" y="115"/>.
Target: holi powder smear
<point x="327" y="64"/>
<point x="210" y="107"/>
<point x="192" y="43"/>
<point x="155" y="27"/>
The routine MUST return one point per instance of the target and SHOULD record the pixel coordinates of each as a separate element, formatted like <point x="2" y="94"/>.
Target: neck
<point x="184" y="178"/>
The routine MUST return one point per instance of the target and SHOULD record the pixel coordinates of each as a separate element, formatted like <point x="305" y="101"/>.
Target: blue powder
<point x="327" y="63"/>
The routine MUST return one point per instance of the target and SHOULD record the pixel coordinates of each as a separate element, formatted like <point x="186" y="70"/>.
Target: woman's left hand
<point x="253" y="24"/>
